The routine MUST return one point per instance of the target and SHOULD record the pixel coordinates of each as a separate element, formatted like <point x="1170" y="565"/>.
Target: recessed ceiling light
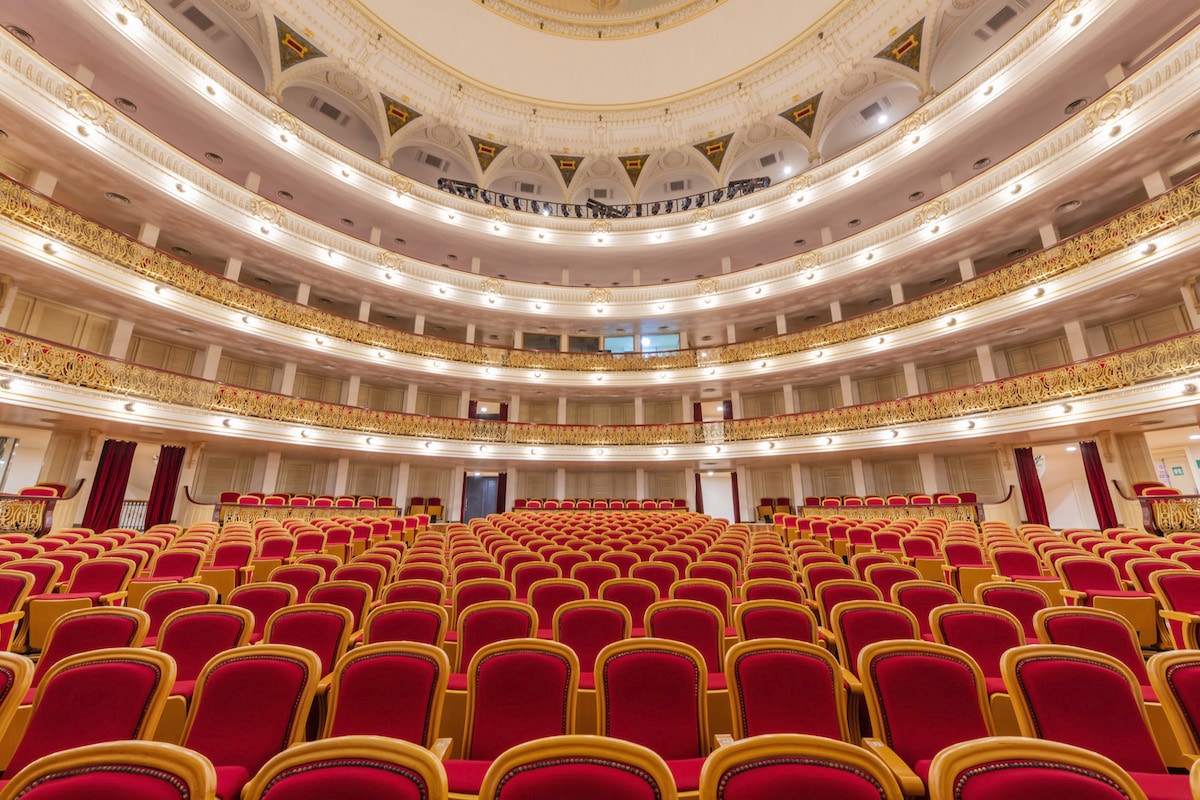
<point x="915" y="196"/>
<point x="450" y="256"/>
<point x="1067" y="207"/>
<point x="937" y="351"/>
<point x="875" y="301"/>
<point x="116" y="197"/>
<point x="854" y="223"/>
<point x="1192" y="137"/>
<point x="185" y="331"/>
<point x="1124" y="298"/>
<point x="938" y="282"/>
<point x="3" y="134"/>
<point x="799" y="243"/>
<point x="125" y="104"/>
<point x="260" y="350"/>
<point x="666" y="280"/>
<point x="1017" y="330"/>
<point x="25" y="36"/>
<point x="284" y="194"/>
<point x="759" y="328"/>
<point x="501" y="275"/>
<point x="982" y="163"/>
<point x="399" y="241"/>
<point x="810" y="317"/>
<point x="181" y="251"/>
<point x="214" y="158"/>
<point x="1020" y="251"/>
<point x="1076" y="105"/>
<point x="261" y="281"/>
<point x="347" y="222"/>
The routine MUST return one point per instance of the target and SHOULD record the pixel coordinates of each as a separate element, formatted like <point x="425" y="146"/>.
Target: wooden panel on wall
<point x="832" y="479"/>
<point x="245" y="373"/>
<point x="161" y="355"/>
<point x="662" y="412"/>
<point x="763" y="404"/>
<point x="819" y="398"/>
<point x="975" y="472"/>
<point x="898" y="476"/>
<point x="369" y="478"/>
<point x="542" y="412"/>
<point x="381" y="398"/>
<point x="304" y="476"/>
<point x="1037" y="355"/>
<point x="434" y="404"/>
<point x="535" y="484"/>
<point x="665" y="484"/>
<point x="318" y="387"/>
<point x="222" y="472"/>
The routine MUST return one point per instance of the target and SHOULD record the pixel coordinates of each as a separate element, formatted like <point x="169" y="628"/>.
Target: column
<point x="1156" y="183"/>
<point x="453" y="503"/>
<point x="726" y="265"/>
<point x="789" y="399"/>
<point x="518" y="340"/>
<point x="639" y="411"/>
<point x="1188" y="291"/>
<point x="122" y="333"/>
<point x="688" y="413"/>
<point x="987" y="362"/>
<point x="364" y="311"/>
<point x="561" y="419"/>
<point x="859" y="474"/>
<point x="780" y="324"/>
<point x="400" y="478"/>
<point x="286" y="379"/>
<point x="689" y="485"/>
<point x="835" y="310"/>
<point x="419" y="325"/>
<point x="350" y="390"/>
<point x="210" y="362"/>
<point x="798" y="489"/>
<point x="148" y="234"/>
<point x="966" y="268"/>
<point x="464" y="403"/>
<point x="410" y="399"/>
<point x="233" y="268"/>
<point x="303" y="290"/>
<point x="9" y="291"/>
<point x="41" y="181"/>
<point x="897" y="293"/>
<point x="1049" y="234"/>
<point x="1076" y="340"/>
<point x="470" y="333"/>
<point x="946" y="181"/>
<point x="748" y="504"/>
<point x="560" y="483"/>
<point x="271" y="472"/>
<point x="514" y="415"/>
<point x="511" y="490"/>
<point x="928" y="465"/>
<point x="341" y="476"/>
<point x="730" y="333"/>
<point x="912" y="384"/>
<point x="735" y="400"/>
<point x="847" y="385"/>
<point x="375" y="237"/>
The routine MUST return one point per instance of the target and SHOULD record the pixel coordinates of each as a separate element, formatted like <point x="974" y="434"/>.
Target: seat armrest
<point x="1073" y="597"/>
<point x="112" y="598"/>
<point x="1178" y="616"/>
<point x="441" y="748"/>
<point x="723" y="739"/>
<point x="11" y="616"/>
<point x="910" y="783"/>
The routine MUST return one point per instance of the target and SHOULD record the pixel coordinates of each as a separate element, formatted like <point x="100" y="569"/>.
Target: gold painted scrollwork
<point x="492" y="286"/>
<point x="707" y="286"/>
<point x="599" y="296"/>
<point x="267" y="211"/>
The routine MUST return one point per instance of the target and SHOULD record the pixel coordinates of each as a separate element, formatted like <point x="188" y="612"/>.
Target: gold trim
<point x="39" y="213"/>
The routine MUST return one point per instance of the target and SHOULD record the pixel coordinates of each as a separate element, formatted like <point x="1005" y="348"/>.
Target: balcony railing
<point x="594" y="209"/>
<point x="23" y="355"/>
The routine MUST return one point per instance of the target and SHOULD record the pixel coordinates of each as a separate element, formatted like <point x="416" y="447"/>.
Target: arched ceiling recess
<point x="705" y="84"/>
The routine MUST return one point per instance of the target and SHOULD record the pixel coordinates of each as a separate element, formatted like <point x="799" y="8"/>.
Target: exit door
<point x="481" y="494"/>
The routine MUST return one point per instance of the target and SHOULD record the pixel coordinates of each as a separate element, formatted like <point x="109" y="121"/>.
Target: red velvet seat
<point x="785" y="686"/>
<point x="696" y="624"/>
<point x="15" y="587"/>
<point x="321" y="628"/>
<point x="359" y="767"/>
<point x="372" y="574"/>
<point x="549" y="594"/>
<point x="101" y="581"/>
<point x="1090" y="700"/>
<point x="517" y="691"/>
<point x="921" y="598"/>
<point x="593" y="574"/>
<point x="858" y="623"/>
<point x="1099" y="631"/>
<point x="250" y="704"/>
<point x="775" y="619"/>
<point x="795" y="766"/>
<point x="981" y="632"/>
<point x="413" y="621"/>
<point x="161" y="601"/>
<point x="1175" y="676"/>
<point x="414" y="590"/>
<point x="922" y="697"/>
<point x="885" y="576"/>
<point x="193" y="636"/>
<point x="116" y="771"/>
<point x="301" y="576"/>
<point x="587" y="627"/>
<point x="1179" y="595"/>
<point x="1010" y="767"/>
<point x="488" y="622"/>
<point x="392" y="689"/>
<point x="87" y="629"/>
<point x="1020" y="600"/>
<point x="354" y="596"/>
<point x="841" y="590"/>
<point x="580" y="768"/>
<point x="262" y="600"/>
<point x="99" y="696"/>
<point x="653" y="692"/>
<point x="635" y="594"/>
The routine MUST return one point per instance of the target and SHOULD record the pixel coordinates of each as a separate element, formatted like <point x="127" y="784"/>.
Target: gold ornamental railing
<point x="23" y="205"/>
<point x="23" y="355"/>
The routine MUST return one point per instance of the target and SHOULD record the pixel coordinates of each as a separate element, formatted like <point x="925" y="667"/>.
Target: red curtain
<point x="699" y="492"/>
<point x="161" y="504"/>
<point x="108" y="488"/>
<point x="1031" y="487"/>
<point x="1093" y="467"/>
